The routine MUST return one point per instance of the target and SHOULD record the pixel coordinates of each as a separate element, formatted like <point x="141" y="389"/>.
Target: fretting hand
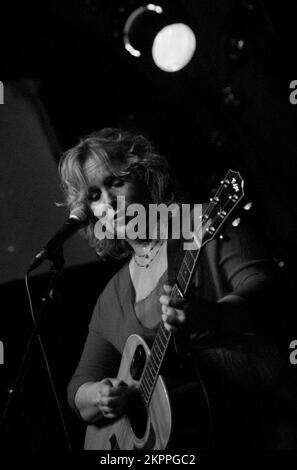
<point x="190" y="315"/>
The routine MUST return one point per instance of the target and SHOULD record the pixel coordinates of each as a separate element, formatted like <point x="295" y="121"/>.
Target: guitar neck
<point x="210" y="222"/>
<point x="163" y="336"/>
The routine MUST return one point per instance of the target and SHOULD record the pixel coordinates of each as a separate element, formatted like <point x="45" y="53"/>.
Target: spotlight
<point x="149" y="33"/>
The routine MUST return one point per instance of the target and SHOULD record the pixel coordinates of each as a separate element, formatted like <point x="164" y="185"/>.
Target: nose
<point x="106" y="200"/>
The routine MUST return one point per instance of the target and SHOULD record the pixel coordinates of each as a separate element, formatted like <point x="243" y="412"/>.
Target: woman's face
<point x="109" y="196"/>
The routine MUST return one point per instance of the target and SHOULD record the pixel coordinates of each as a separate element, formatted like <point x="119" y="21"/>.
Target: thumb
<point x="117" y="382"/>
<point x="109" y="382"/>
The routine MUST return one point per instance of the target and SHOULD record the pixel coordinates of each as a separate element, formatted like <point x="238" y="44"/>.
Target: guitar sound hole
<point x="137" y="415"/>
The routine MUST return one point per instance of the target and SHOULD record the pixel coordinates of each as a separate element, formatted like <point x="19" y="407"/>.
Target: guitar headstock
<point x="226" y="198"/>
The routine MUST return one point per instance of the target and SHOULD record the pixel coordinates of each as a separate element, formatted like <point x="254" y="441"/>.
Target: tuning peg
<point x="280" y="263"/>
<point x="214" y="199"/>
<point x="248" y="206"/>
<point x="210" y="229"/>
<point x="236" y="222"/>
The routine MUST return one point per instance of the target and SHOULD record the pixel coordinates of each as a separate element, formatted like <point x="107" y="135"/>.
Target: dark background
<point x="67" y="59"/>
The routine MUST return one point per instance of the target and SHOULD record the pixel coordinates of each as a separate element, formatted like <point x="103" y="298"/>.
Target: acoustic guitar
<point x="159" y="420"/>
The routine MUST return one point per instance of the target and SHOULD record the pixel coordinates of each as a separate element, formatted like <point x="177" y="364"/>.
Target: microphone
<point x="77" y="219"/>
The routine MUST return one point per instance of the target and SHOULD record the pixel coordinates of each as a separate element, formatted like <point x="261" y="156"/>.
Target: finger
<point x="105" y="409"/>
<point x="107" y="384"/>
<point x="170" y="318"/>
<point x="172" y="302"/>
<point x="105" y="391"/>
<point x="164" y="299"/>
<point x="107" y="412"/>
<point x="167" y="288"/>
<point x="178" y="304"/>
<point x="173" y="313"/>
<point x="168" y="311"/>
<point x="169" y="326"/>
<point x="112" y="392"/>
<point x="181" y="315"/>
<point x="117" y="382"/>
<point x="110" y="402"/>
<point x="109" y="415"/>
<point x="173" y="317"/>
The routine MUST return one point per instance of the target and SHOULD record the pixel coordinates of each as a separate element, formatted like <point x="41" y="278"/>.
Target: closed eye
<point x="118" y="182"/>
<point x="94" y="194"/>
<point x="114" y="181"/>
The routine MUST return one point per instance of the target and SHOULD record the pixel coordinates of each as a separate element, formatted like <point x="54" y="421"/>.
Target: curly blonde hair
<point x="127" y="155"/>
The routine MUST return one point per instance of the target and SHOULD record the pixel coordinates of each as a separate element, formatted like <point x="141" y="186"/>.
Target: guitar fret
<point x="186" y="260"/>
<point x="181" y="281"/>
<point x="163" y="345"/>
<point x="184" y="271"/>
<point x="175" y="292"/>
<point x="151" y="368"/>
<point x="159" y="358"/>
<point x="195" y="255"/>
<point x="159" y="344"/>
<point x="142" y="391"/>
<point x="162" y="331"/>
<point x="155" y="364"/>
<point x="149" y="375"/>
<point x="180" y="274"/>
<point x="145" y="385"/>
<point x="157" y="351"/>
<point x="145" y="398"/>
<point x="191" y="255"/>
<point x="149" y="382"/>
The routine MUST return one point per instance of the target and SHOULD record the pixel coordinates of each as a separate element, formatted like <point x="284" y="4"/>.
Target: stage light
<point x="173" y="47"/>
<point x="150" y="33"/>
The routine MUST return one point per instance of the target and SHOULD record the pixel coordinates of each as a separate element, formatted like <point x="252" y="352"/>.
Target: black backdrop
<point x="85" y="79"/>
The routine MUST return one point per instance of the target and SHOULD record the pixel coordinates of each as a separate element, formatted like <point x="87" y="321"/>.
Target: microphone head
<point x="80" y="213"/>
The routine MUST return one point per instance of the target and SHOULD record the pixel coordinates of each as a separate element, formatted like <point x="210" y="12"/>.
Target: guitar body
<point x="120" y="434"/>
<point x="170" y="421"/>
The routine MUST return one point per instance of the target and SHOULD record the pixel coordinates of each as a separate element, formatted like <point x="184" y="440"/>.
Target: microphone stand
<point x="15" y="388"/>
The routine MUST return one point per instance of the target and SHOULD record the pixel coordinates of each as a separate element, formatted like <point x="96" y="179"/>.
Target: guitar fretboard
<point x="212" y="218"/>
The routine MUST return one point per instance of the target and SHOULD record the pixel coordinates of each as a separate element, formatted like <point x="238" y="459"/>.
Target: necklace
<point x="146" y="256"/>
